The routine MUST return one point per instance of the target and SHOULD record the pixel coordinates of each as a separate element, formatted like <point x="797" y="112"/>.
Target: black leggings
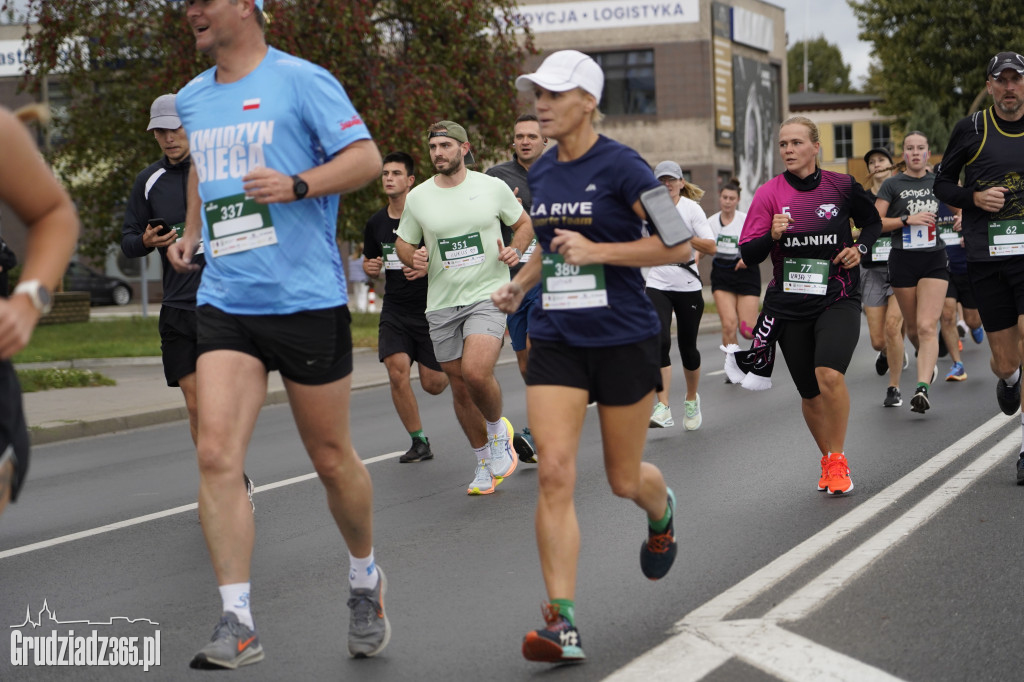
<point x="689" y="308"/>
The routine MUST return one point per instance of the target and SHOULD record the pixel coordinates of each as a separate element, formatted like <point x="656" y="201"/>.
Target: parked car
<point x="102" y="288"/>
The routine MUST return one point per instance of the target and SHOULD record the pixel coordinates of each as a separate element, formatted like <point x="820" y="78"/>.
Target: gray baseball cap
<point x="163" y="114"/>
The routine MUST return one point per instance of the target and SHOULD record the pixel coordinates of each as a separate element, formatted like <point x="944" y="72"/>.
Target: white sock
<point x="496" y="429"/>
<point x="362" y="573"/>
<point x="235" y="598"/>
<point x="1011" y="381"/>
<point x="482" y="452"/>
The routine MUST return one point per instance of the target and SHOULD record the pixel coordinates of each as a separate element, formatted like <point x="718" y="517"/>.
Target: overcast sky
<point x="834" y="19"/>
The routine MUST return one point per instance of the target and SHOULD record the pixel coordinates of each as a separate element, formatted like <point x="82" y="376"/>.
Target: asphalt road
<point x="914" y="576"/>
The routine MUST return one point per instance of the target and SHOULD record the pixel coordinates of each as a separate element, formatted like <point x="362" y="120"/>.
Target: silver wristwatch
<point x="40" y="296"/>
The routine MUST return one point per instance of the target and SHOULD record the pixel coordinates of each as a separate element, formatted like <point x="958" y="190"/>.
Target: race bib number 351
<point x="461" y="252"/>
<point x="238" y="223"/>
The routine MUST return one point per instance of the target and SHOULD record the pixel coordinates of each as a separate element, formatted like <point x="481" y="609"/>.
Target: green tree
<point x="826" y="71"/>
<point x="926" y="117"/>
<point x="934" y="50"/>
<point x="404" y="64"/>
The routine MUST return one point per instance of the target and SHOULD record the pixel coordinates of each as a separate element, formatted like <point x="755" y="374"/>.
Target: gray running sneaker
<point x="368" y="628"/>
<point x="233" y="644"/>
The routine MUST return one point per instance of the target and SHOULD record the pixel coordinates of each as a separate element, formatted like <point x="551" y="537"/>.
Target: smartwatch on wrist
<point x="905" y="219"/>
<point x="40" y="296"/>
<point x="863" y="248"/>
<point x="299" y="187"/>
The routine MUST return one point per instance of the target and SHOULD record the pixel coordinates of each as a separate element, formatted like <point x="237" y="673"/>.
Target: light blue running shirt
<point x="289" y="115"/>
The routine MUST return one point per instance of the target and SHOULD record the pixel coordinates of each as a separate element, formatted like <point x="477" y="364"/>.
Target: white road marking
<point x="715" y="373"/>
<point x="704" y="640"/>
<point x="25" y="549"/>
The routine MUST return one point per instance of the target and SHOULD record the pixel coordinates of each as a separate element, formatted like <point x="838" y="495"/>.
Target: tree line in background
<point x="928" y="59"/>
<point x="404" y="64"/>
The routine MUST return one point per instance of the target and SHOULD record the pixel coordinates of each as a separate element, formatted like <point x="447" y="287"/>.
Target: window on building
<point x="628" y="82"/>
<point x="843" y="135"/>
<point x="881" y="136"/>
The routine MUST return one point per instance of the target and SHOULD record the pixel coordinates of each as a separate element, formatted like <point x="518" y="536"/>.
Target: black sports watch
<point x="863" y="248"/>
<point x="905" y="219"/>
<point x="300" y="187"/>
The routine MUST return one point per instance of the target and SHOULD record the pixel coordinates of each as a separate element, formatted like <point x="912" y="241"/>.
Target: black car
<point x="102" y="288"/>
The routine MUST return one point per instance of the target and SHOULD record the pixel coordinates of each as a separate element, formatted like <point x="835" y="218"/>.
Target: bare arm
<point x="31" y="190"/>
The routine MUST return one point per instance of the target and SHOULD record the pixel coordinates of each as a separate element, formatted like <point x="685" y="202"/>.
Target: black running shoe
<point x="659" y="551"/>
<point x="881" y="363"/>
<point x="892" y="397"/>
<point x="557" y="642"/>
<point x="920" y="403"/>
<point x="524" y="446"/>
<point x="419" y="451"/>
<point x="1020" y="470"/>
<point x="1008" y="397"/>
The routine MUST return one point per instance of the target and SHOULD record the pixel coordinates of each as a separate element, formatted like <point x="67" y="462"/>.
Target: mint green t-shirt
<point x="461" y="228"/>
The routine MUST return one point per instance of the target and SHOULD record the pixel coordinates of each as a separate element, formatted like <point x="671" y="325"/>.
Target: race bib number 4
<point x="461" y="252"/>
<point x="805" y="276"/>
<point x="1006" y="238"/>
<point x="918" y="236"/>
<point x="391" y="261"/>
<point x="571" y="286"/>
<point x="237" y="224"/>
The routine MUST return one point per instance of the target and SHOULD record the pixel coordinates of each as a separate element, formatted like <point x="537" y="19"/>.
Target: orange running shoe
<point x="823" y="481"/>
<point x="839" y="481"/>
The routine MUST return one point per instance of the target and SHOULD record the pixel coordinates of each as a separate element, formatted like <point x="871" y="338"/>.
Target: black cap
<point x="878" y="150"/>
<point x="1003" y="61"/>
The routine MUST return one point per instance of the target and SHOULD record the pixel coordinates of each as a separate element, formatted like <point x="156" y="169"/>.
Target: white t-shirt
<point x="727" y="237"/>
<point x="674" y="277"/>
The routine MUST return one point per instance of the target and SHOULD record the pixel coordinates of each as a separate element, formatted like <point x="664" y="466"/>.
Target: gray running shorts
<point x="875" y="289"/>
<point x="449" y="327"/>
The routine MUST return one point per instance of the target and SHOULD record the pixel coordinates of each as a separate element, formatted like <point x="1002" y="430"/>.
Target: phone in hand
<point x="164" y="228"/>
<point x="662" y="214"/>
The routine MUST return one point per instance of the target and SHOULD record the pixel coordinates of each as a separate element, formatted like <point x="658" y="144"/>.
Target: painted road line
<point x="127" y="523"/>
<point x="749" y="588"/>
<point x="817" y="592"/>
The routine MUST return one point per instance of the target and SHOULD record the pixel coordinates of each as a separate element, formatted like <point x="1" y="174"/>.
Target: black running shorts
<point x="907" y="268"/>
<point x="999" y="291"/>
<point x="312" y="347"/>
<point x="826" y="341"/>
<point x="960" y="289"/>
<point x="743" y="282"/>
<point x="618" y="375"/>
<point x="403" y="331"/>
<point x="178" y="339"/>
<point x="14" y="441"/>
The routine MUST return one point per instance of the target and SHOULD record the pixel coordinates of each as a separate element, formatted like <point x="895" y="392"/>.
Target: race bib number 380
<point x="238" y="223"/>
<point x="1006" y="238"/>
<point x="571" y="286"/>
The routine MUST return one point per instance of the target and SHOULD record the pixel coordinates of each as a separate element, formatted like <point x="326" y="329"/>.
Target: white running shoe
<point x="661" y="418"/>
<point x="692" y="419"/>
<point x="483" y="482"/>
<point x="503" y="459"/>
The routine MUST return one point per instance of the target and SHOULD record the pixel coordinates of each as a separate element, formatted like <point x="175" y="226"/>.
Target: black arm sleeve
<point x="756" y="250"/>
<point x="947" y="176"/>
<point x="865" y="216"/>
<point x="136" y="217"/>
<point x="371" y="249"/>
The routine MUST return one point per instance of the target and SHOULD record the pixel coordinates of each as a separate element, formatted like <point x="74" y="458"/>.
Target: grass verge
<point x="134" y="337"/>
<point x="33" y="380"/>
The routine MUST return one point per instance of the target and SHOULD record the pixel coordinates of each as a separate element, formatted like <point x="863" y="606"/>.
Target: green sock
<point x="661" y="524"/>
<point x="567" y="609"/>
<point x="419" y="435"/>
<point x="921" y="383"/>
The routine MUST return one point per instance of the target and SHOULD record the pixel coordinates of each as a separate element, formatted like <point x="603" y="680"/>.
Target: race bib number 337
<point x="237" y="224"/>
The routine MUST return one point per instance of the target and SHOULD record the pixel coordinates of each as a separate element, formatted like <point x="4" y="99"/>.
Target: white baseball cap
<point x="565" y="70"/>
<point x="668" y="169"/>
